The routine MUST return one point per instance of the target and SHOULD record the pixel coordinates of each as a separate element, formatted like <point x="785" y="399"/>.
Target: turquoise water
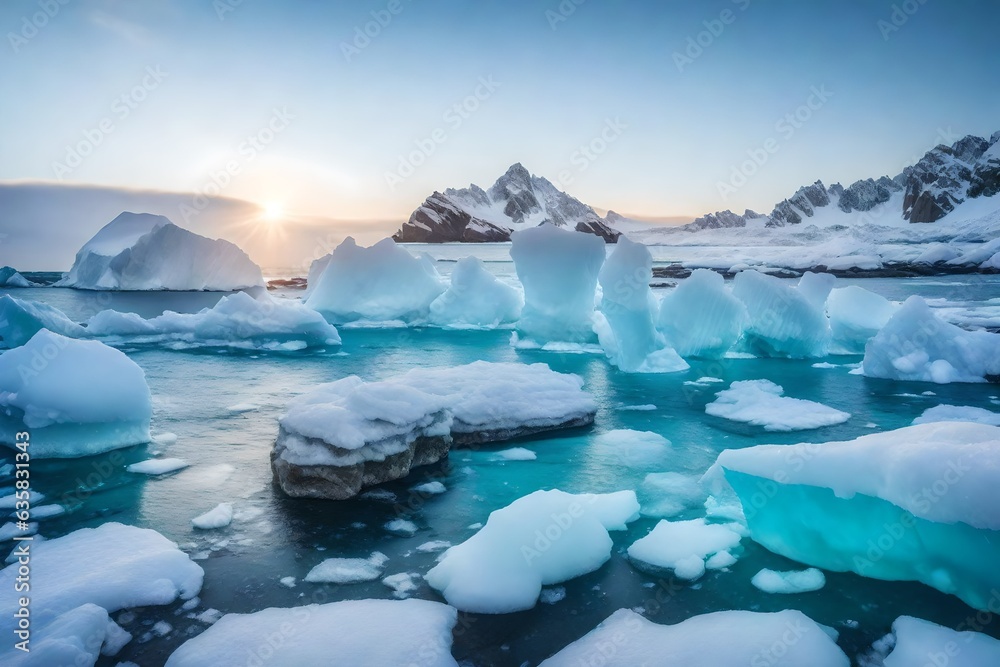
<point x="273" y="537"/>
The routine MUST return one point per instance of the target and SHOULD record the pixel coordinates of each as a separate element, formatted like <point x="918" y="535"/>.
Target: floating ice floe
<point x="958" y="413"/>
<point x="920" y="503"/>
<point x="700" y="317"/>
<point x="219" y="516"/>
<point x="76" y="397"/>
<point x="783" y="639"/>
<point x="634" y="449"/>
<point x="667" y="494"/>
<point x="78" y="637"/>
<point x="762" y="403"/>
<point x="157" y="466"/>
<point x="9" y="277"/>
<point x="686" y="547"/>
<point x="516" y="454"/>
<point x="475" y="299"/>
<point x="625" y="324"/>
<point x="380" y="283"/>
<point x="348" y="570"/>
<point x="139" y="251"/>
<point x="558" y="270"/>
<point x="914" y="641"/>
<point x="798" y="581"/>
<point x="20" y="319"/>
<point x="238" y="320"/>
<point x="784" y="321"/>
<point x="355" y="632"/>
<point x="856" y="315"/>
<point x="918" y="345"/>
<point x="346" y="435"/>
<point x="113" y="566"/>
<point x="544" y="538"/>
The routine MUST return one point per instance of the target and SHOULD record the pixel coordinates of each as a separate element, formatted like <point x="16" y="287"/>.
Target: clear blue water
<point x="273" y="537"/>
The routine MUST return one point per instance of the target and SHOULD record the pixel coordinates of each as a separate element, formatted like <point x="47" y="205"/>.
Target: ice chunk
<point x="157" y="466"/>
<point x="558" y="269"/>
<point x="402" y="584"/>
<point x="383" y="282"/>
<point x="919" y="503"/>
<point x="958" y="413"/>
<point x="552" y="595"/>
<point x="801" y="581"/>
<point x="430" y="488"/>
<point x="516" y="454"/>
<point x="683" y="546"/>
<point x="783" y="639"/>
<point x="761" y="403"/>
<point x="139" y="251"/>
<point x="918" y="345"/>
<point x="9" y="277"/>
<point x="667" y="494"/>
<point x="238" y="320"/>
<point x="113" y="566"/>
<point x="784" y="321"/>
<point x="856" y="315"/>
<point x="635" y="449"/>
<point x="219" y="516"/>
<point x="77" y="397"/>
<point x="22" y="319"/>
<point x="348" y="570"/>
<point x="78" y="637"/>
<point x="630" y="339"/>
<point x="544" y="538"/>
<point x="917" y="642"/>
<point x="355" y="632"/>
<point x="700" y="317"/>
<point x="348" y="434"/>
<point x="401" y="527"/>
<point x="475" y="299"/>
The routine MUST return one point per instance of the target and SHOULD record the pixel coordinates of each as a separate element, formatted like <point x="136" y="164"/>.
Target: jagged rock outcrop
<point x="941" y="179"/>
<point x="866" y="194"/>
<point x="721" y="220"/>
<point x="803" y="203"/>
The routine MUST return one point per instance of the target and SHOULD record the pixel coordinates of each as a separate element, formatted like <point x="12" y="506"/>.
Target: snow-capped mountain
<point x="924" y="192"/>
<point x="518" y="200"/>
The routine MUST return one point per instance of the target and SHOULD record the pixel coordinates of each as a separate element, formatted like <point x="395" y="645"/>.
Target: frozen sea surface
<point x="272" y="537"/>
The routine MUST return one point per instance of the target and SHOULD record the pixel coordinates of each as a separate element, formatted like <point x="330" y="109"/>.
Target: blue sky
<point x="200" y="77"/>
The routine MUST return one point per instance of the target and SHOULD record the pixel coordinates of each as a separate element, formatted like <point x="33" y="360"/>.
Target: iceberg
<point x="921" y="503"/>
<point x="559" y="270"/>
<point x="914" y="641"/>
<point x="783" y="321"/>
<point x="140" y="251"/>
<point x="113" y="566"/>
<point x="544" y="538"/>
<point x="20" y="319"/>
<point x="684" y="547"/>
<point x="475" y="299"/>
<point x="762" y="403"/>
<point x="238" y="320"/>
<point x="630" y="338"/>
<point x="355" y="632"/>
<point x="9" y="277"/>
<point x="782" y="639"/>
<point x="700" y="317"/>
<point x="350" y="434"/>
<point x="856" y="315"/>
<point x="918" y="345"/>
<point x="76" y="397"/>
<point x="380" y="283"/>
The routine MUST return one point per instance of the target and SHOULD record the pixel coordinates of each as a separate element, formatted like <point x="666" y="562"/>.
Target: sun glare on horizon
<point x="273" y="212"/>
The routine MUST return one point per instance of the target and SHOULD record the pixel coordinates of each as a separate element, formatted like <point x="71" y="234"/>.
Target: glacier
<point x="140" y="251"/>
<point x="544" y="538"/>
<point x="77" y="397"/>
<point x="558" y="270"/>
<point x="701" y="317"/>
<point x="920" y="503"/>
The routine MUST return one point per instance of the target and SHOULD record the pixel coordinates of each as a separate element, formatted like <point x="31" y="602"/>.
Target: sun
<point x="273" y="212"/>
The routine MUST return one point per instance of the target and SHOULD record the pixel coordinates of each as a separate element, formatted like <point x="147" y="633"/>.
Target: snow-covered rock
<point x="140" y="251"/>
<point x="685" y="546"/>
<point x="920" y="503"/>
<point x="762" y="403"/>
<point x="628" y="306"/>
<point x="238" y="320"/>
<point x="559" y="271"/>
<point x="349" y="434"/>
<point x="475" y="299"/>
<point x="379" y="283"/>
<point x="541" y="539"/>
<point x="918" y="345"/>
<point x="516" y="201"/>
<point x="77" y="397"/>
<point x="700" y="317"/>
<point x="856" y="315"/>
<point x="914" y="641"/>
<point x="783" y="321"/>
<point x="782" y="639"/>
<point x="113" y="566"/>
<point x="20" y="319"/>
<point x="9" y="277"/>
<point x="355" y="632"/>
